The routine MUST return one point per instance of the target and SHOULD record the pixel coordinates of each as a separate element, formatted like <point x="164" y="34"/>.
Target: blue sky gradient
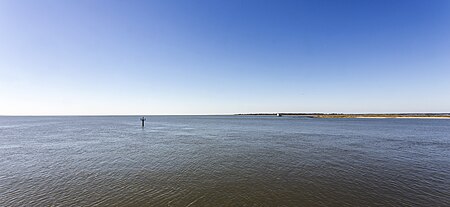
<point x="220" y="57"/>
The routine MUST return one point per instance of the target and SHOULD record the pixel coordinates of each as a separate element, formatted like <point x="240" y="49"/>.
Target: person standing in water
<point x="143" y="120"/>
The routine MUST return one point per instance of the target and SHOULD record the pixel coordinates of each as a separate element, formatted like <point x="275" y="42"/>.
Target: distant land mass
<point x="365" y="115"/>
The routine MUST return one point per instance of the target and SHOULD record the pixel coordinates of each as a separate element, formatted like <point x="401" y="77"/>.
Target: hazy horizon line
<point x="223" y="114"/>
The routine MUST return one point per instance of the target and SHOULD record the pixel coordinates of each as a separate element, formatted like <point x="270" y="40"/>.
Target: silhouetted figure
<point x="143" y="120"/>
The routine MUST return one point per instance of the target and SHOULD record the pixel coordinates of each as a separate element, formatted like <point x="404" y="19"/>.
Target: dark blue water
<point x="223" y="161"/>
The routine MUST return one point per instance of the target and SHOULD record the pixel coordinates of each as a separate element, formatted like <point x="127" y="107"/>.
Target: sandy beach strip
<point x="400" y="117"/>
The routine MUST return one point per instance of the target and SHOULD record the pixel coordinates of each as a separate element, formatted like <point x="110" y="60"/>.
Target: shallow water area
<point x="223" y="161"/>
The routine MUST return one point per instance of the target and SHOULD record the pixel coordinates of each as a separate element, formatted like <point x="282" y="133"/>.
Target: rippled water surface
<point x="223" y="161"/>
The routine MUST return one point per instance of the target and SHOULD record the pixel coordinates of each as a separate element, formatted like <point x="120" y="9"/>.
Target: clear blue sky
<point x="216" y="57"/>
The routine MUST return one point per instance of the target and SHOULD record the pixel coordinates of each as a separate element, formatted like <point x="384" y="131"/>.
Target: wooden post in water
<point x="143" y="120"/>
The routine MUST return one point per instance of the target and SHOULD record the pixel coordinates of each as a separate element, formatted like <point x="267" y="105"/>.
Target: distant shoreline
<point x="359" y="116"/>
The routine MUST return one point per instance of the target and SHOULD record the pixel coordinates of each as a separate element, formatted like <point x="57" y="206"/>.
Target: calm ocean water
<point x="223" y="161"/>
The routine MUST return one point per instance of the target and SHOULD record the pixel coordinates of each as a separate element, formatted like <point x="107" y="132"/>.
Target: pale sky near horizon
<point x="98" y="57"/>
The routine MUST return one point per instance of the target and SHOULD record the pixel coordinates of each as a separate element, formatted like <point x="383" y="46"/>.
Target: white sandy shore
<point x="399" y="117"/>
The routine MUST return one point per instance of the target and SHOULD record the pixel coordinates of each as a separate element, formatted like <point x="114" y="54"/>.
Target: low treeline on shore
<point x="342" y="115"/>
